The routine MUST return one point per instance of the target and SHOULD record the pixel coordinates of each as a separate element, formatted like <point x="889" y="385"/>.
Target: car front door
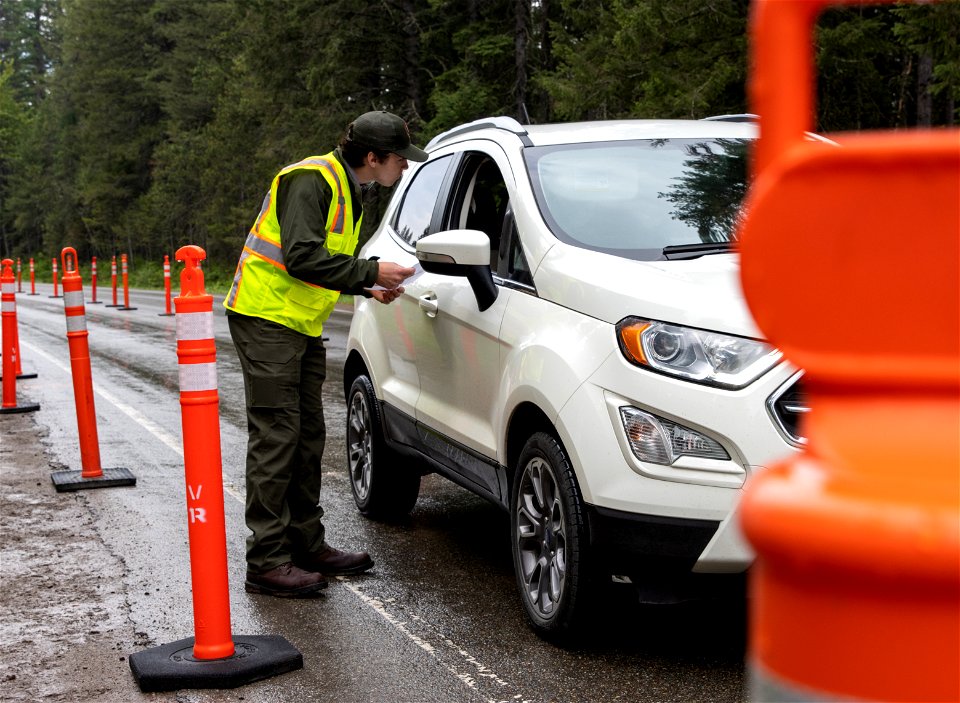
<point x="392" y="328"/>
<point x="458" y="346"/>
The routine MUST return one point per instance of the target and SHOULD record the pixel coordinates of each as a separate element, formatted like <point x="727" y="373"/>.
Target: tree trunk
<point x="924" y="99"/>
<point x="411" y="73"/>
<point x="521" y="16"/>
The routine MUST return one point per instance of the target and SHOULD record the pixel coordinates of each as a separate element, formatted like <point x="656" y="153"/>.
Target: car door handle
<point x="429" y="304"/>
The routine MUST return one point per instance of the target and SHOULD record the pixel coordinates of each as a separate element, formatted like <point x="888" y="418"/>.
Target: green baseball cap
<point x="385" y="131"/>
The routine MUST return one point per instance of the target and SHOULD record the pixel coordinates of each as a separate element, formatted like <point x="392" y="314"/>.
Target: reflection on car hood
<point x="703" y="292"/>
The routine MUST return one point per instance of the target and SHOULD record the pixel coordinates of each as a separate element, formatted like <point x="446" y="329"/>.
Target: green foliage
<point x="139" y="126"/>
<point x="714" y="184"/>
<point x="933" y="32"/>
<point x="660" y="58"/>
<point x="477" y="77"/>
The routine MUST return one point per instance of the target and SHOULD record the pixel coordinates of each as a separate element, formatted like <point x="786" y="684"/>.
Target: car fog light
<point x="660" y="441"/>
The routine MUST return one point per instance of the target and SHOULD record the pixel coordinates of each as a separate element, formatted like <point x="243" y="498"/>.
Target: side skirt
<point x="441" y="454"/>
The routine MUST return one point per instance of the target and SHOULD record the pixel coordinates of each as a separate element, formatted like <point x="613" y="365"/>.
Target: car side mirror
<point x="461" y="252"/>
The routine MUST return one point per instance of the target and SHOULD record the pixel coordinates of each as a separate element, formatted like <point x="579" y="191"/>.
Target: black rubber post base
<point x="74" y="481"/>
<point x="23" y="375"/>
<point x="110" y="305"/>
<point x="171" y="667"/>
<point x="94" y="302"/>
<point x="54" y="296"/>
<point x="166" y="314"/>
<point x="122" y="307"/>
<point x="19" y="409"/>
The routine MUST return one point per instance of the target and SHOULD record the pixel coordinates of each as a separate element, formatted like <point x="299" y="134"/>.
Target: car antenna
<point x="526" y="115"/>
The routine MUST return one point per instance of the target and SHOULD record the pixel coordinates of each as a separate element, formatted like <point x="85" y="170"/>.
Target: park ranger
<point x="297" y="259"/>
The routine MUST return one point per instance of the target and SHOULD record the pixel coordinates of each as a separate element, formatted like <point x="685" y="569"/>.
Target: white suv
<point x="577" y="350"/>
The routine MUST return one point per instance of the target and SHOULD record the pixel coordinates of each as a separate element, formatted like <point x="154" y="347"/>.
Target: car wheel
<point x="549" y="538"/>
<point x="383" y="484"/>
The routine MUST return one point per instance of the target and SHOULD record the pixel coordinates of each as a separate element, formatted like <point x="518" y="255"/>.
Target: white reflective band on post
<point x="8" y="288"/>
<point x="8" y="306"/>
<point x="195" y="325"/>
<point x="76" y="323"/>
<point x="72" y="299"/>
<point x="198" y="377"/>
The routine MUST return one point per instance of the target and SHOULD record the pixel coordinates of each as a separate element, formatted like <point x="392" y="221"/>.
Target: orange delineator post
<point x="213" y="658"/>
<point x="8" y="313"/>
<point x="113" y="281"/>
<point x="199" y="403"/>
<point x="856" y="588"/>
<point x="18" y="356"/>
<point x="93" y="281"/>
<point x="91" y="475"/>
<point x="166" y="286"/>
<point x="75" y="313"/>
<point x="126" y="284"/>
<point x="33" y="285"/>
<point x="53" y="268"/>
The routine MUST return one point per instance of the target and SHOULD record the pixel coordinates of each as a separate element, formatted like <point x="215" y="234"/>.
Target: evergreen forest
<point x="139" y="126"/>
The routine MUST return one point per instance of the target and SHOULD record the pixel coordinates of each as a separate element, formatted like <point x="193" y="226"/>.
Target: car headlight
<point x="715" y="359"/>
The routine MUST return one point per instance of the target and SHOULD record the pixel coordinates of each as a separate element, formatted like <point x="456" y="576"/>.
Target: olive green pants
<point x="283" y="373"/>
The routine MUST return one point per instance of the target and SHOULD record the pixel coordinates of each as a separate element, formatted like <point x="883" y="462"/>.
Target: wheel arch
<point x="526" y="419"/>
<point x="353" y="366"/>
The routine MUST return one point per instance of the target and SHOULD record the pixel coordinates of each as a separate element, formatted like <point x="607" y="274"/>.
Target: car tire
<point x="383" y="484"/>
<point x="549" y="538"/>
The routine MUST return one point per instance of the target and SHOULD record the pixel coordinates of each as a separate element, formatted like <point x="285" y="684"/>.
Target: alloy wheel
<point x="541" y="536"/>
<point x="359" y="444"/>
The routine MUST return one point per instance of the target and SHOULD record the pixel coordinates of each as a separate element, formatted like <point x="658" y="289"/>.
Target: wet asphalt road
<point x="438" y="618"/>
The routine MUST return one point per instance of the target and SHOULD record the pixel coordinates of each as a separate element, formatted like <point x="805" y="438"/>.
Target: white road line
<point x="467" y="678"/>
<point x="376" y="605"/>
<point x="149" y="425"/>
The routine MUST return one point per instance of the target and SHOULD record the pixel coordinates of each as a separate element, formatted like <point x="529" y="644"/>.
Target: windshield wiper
<point x="692" y="251"/>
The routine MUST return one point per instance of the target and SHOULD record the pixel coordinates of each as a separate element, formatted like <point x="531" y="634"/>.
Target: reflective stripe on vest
<point x="268" y="250"/>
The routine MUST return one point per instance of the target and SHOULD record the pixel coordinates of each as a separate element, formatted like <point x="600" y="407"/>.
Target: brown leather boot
<point x="285" y="581"/>
<point x="333" y="562"/>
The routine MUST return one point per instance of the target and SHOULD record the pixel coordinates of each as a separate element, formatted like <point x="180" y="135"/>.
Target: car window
<point x="419" y="200"/>
<point x="634" y="198"/>
<point x="479" y="199"/>
<point x="514" y="264"/>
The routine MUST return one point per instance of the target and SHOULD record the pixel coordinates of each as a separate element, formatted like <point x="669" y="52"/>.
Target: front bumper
<point x="681" y="515"/>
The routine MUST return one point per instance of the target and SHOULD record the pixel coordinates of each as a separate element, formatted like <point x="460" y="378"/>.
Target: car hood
<point x="704" y="292"/>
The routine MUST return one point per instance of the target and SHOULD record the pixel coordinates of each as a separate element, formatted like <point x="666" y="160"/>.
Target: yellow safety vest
<point x="262" y="287"/>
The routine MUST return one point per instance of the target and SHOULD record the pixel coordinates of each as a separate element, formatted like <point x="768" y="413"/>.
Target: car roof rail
<point x="743" y="117"/>
<point x="500" y="122"/>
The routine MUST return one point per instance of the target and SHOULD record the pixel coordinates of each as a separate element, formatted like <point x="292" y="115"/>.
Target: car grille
<point x="787" y="407"/>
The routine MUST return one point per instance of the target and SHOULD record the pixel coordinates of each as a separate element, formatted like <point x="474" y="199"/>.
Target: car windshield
<point x="635" y="198"/>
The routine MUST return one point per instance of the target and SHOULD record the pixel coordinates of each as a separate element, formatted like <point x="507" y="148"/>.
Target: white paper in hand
<point x="417" y="272"/>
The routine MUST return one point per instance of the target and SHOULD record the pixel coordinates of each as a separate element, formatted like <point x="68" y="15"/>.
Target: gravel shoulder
<point x="65" y="631"/>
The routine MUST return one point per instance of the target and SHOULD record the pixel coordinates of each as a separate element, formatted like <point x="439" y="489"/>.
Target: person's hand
<point x="387" y="296"/>
<point x="391" y="275"/>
